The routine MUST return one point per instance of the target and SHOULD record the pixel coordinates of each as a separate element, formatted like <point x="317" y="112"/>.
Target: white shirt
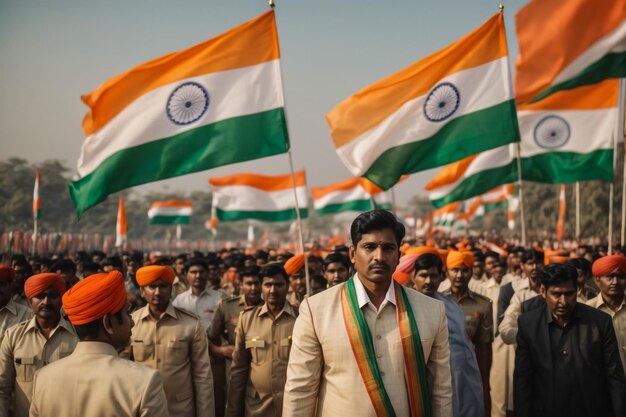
<point x="204" y="305"/>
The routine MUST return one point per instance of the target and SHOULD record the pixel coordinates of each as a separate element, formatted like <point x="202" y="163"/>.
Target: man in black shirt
<point x="566" y="361"/>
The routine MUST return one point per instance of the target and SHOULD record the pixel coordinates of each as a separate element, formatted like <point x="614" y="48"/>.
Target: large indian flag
<point x="444" y="217"/>
<point x="260" y="197"/>
<point x="568" y="136"/>
<point x="348" y="195"/>
<point x="473" y="176"/>
<point x="216" y="103"/>
<point x="170" y="212"/>
<point x="567" y="44"/>
<point x="450" y="105"/>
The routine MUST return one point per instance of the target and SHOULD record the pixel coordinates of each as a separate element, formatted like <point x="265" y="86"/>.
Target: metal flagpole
<point x="620" y="134"/>
<point x="610" y="243"/>
<point x="577" y="209"/>
<point x="393" y="201"/>
<point x="521" y="193"/>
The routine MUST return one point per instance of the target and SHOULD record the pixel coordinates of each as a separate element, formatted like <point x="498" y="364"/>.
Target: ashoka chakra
<point x="552" y="132"/>
<point x="442" y="102"/>
<point x="187" y="103"/>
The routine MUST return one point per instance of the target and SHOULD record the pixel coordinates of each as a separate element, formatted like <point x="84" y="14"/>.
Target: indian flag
<point x="170" y="212"/>
<point x="448" y="106"/>
<point x="444" y="217"/>
<point x="260" y="197"/>
<point x="568" y="136"/>
<point x="567" y="44"/>
<point x="347" y="195"/>
<point x="36" y="200"/>
<point x="473" y="176"/>
<point x="216" y="103"/>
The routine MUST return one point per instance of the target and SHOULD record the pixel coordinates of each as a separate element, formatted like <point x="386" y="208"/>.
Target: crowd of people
<point x="385" y="326"/>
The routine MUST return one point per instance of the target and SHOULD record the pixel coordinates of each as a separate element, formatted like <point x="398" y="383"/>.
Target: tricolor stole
<point x="365" y="355"/>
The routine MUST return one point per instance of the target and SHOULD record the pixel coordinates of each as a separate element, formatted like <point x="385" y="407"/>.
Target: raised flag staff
<point x="120" y="227"/>
<point x="577" y="209"/>
<point x="620" y="134"/>
<point x="36" y="210"/>
<point x="521" y="193"/>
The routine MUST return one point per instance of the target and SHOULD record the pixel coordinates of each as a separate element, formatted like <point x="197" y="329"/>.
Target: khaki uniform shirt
<point x="259" y="369"/>
<point x="177" y="347"/>
<point x="226" y="318"/>
<point x="95" y="382"/>
<point x="25" y="350"/>
<point x="478" y="316"/>
<point x="179" y="286"/>
<point x="11" y="314"/>
<point x="292" y="298"/>
<point x="619" y="323"/>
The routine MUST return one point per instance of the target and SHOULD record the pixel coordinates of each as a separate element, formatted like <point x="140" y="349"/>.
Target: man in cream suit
<point x="330" y="361"/>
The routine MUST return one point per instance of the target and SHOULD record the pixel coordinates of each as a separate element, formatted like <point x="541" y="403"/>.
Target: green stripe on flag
<point x="493" y="206"/>
<point x="169" y="220"/>
<point x="610" y="66"/>
<point x="567" y="167"/>
<point x="225" y="142"/>
<point x="267" y="216"/>
<point x="464" y="136"/>
<point x="355" y="205"/>
<point x="480" y="183"/>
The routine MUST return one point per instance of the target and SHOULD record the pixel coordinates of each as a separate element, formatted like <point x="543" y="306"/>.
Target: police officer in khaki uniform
<point x="294" y="267"/>
<point x="94" y="381"/>
<point x="11" y="312"/>
<point x="224" y="323"/>
<point x="173" y="341"/>
<point x="262" y="345"/>
<point x="478" y="314"/>
<point x="32" y="344"/>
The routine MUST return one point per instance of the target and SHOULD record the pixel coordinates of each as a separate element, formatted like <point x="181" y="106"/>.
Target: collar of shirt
<point x="598" y="302"/>
<point x="205" y="292"/>
<point x="145" y="312"/>
<point x="575" y="316"/>
<point x="11" y="307"/>
<point x="364" y="299"/>
<point x="64" y="324"/>
<point x="84" y="347"/>
<point x="491" y="283"/>
<point x="287" y="308"/>
<point x="468" y="294"/>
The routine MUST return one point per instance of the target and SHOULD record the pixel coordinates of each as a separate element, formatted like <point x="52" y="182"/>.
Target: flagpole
<point x="610" y="243"/>
<point x="577" y="209"/>
<point x="521" y="193"/>
<point x="393" y="201"/>
<point x="620" y="134"/>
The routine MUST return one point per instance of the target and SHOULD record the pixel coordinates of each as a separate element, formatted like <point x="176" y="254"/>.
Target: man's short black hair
<point x="114" y="261"/>
<point x="530" y="255"/>
<point x="336" y="257"/>
<point x="250" y="271"/>
<point x="479" y="257"/>
<point x="91" y="329"/>
<point x="272" y="270"/>
<point x="376" y="220"/>
<point x="196" y="262"/>
<point x="492" y="254"/>
<point x="262" y="255"/>
<point x="64" y="265"/>
<point x="182" y="256"/>
<point x="427" y="261"/>
<point x="555" y="274"/>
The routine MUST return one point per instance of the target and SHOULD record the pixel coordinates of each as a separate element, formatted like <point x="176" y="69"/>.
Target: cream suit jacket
<point x="323" y="377"/>
<point x="94" y="382"/>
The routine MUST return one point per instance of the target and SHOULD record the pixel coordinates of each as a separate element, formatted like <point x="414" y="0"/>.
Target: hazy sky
<point x="54" y="51"/>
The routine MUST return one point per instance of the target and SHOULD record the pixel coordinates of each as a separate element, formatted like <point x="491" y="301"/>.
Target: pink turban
<point x="407" y="263"/>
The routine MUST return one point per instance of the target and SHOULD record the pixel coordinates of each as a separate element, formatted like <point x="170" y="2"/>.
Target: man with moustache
<point x="225" y="322"/>
<point x="94" y="381"/>
<point x="174" y="342"/>
<point x="349" y="342"/>
<point x="610" y="277"/>
<point x="566" y="361"/>
<point x="261" y="353"/>
<point x="294" y="267"/>
<point x="11" y="312"/>
<point x="32" y="344"/>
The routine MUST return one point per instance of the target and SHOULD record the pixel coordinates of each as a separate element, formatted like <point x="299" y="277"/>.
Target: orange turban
<point x="41" y="282"/>
<point x="146" y="275"/>
<point x="94" y="297"/>
<point x="607" y="264"/>
<point x="7" y="273"/>
<point x="456" y="259"/>
<point x="558" y="259"/>
<point x="294" y="264"/>
<point x="407" y="263"/>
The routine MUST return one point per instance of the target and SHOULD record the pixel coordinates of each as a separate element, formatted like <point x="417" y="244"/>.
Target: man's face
<point x="121" y="330"/>
<point x="132" y="267"/>
<point x="197" y="277"/>
<point x="516" y="260"/>
<point x="612" y="285"/>
<point x="251" y="288"/>
<point x="497" y="272"/>
<point x="179" y="267"/>
<point x="478" y="269"/>
<point x="529" y="268"/>
<point x="581" y="277"/>
<point x="427" y="281"/>
<point x="561" y="299"/>
<point x="274" y="290"/>
<point x="460" y="277"/>
<point x="375" y="256"/>
<point x="297" y="282"/>
<point x="157" y="295"/>
<point x="5" y="292"/>
<point x="490" y="263"/>
<point x="335" y="273"/>
<point x="47" y="305"/>
<point x="213" y="275"/>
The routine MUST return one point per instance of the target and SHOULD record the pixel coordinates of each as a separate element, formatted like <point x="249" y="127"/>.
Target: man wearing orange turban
<point x="294" y="267"/>
<point x="174" y="342"/>
<point x="102" y="382"/>
<point x="478" y="313"/>
<point x="610" y="276"/>
<point x="11" y="312"/>
<point x="31" y="344"/>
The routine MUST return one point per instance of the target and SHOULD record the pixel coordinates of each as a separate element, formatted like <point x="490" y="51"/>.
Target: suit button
<point x="379" y="356"/>
<point x="378" y="337"/>
<point x="564" y="352"/>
